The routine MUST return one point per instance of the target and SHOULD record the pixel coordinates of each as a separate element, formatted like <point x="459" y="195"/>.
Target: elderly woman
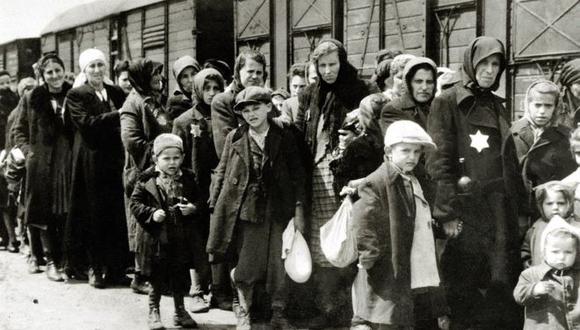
<point x="41" y="132"/>
<point x="479" y="213"/>
<point x="325" y="105"/>
<point x="570" y="91"/>
<point x="184" y="69"/>
<point x="142" y="120"/>
<point x="97" y="217"/>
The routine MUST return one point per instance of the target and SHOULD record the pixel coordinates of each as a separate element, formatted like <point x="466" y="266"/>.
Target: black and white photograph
<point x="290" y="164"/>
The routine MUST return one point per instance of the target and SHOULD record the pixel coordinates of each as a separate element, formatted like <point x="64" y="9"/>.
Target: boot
<point x="182" y="317"/>
<point x="139" y="286"/>
<point x="279" y="320"/>
<point x="96" y="279"/>
<point x="52" y="272"/>
<point x="33" y="265"/>
<point x="245" y="295"/>
<point x="154" y="320"/>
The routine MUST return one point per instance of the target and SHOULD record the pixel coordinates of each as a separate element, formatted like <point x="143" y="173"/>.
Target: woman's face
<point x="252" y="74"/>
<point x="486" y="70"/>
<point x="156" y="82"/>
<point x="210" y="89"/>
<point x="186" y="79"/>
<point x="53" y="75"/>
<point x="329" y="67"/>
<point x="95" y="72"/>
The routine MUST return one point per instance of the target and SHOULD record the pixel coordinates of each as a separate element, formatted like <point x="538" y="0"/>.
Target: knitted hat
<point x="406" y="131"/>
<point x="166" y="140"/>
<point x="90" y="55"/>
<point x="252" y="95"/>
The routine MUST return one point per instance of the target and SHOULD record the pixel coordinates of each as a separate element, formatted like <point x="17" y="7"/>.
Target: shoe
<point x="361" y="327"/>
<point x="199" y="305"/>
<point x="244" y="321"/>
<point x="33" y="266"/>
<point x="222" y="303"/>
<point x="279" y="320"/>
<point x="96" y="279"/>
<point x="182" y="318"/>
<point x="140" y="287"/>
<point x="70" y="274"/>
<point x="53" y="273"/>
<point x="154" y="320"/>
<point x="13" y="248"/>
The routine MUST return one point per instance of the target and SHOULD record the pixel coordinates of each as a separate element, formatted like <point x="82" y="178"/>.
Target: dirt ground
<point x="31" y="301"/>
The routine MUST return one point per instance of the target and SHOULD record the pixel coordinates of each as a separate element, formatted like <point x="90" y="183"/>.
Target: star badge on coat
<point x="479" y="141"/>
<point x="195" y="130"/>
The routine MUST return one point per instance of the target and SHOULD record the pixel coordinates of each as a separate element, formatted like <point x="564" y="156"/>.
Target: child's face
<point x="405" y="155"/>
<point x="169" y="160"/>
<point x="560" y="252"/>
<point x="555" y="204"/>
<point x="256" y="114"/>
<point x="210" y="89"/>
<point x="541" y="107"/>
<point x="277" y="101"/>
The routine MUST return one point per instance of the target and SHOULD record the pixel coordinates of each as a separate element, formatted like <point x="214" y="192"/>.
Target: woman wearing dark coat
<point x="325" y="105"/>
<point x="480" y="264"/>
<point x="96" y="220"/>
<point x="569" y="80"/>
<point x="142" y="120"/>
<point x="45" y="137"/>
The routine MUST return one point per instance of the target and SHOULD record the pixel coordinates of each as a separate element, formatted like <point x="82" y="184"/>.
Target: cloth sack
<point x="337" y="237"/>
<point x="298" y="262"/>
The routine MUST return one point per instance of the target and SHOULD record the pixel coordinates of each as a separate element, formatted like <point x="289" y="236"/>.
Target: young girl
<point x="166" y="203"/>
<point x="553" y="198"/>
<point x="258" y="188"/>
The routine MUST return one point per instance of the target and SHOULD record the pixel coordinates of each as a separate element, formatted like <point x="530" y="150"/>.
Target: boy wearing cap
<point x="397" y="263"/>
<point x="253" y="203"/>
<point x="166" y="203"/>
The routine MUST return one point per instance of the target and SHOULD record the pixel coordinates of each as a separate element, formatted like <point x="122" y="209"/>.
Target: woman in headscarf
<point x="325" y="105"/>
<point x="143" y="118"/>
<point x="194" y="128"/>
<point x="569" y="80"/>
<point x="480" y="212"/>
<point x="184" y="70"/>
<point x="97" y="217"/>
<point x="45" y="137"/>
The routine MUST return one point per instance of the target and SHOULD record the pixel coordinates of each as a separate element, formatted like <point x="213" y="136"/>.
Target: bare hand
<point x="543" y="287"/>
<point x="453" y="228"/>
<point x="346" y="190"/>
<point x="187" y="209"/>
<point x="159" y="215"/>
<point x="443" y="322"/>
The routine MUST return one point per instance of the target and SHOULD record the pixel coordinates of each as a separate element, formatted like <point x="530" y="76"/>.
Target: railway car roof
<point x="92" y="12"/>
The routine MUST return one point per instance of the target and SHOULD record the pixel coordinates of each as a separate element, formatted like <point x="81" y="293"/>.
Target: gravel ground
<point x="31" y="301"/>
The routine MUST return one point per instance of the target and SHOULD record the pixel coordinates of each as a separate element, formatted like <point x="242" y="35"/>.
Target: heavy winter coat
<point x="97" y="187"/>
<point x="223" y="117"/>
<point x="156" y="240"/>
<point x="8" y="101"/>
<point x="37" y="131"/>
<point x="283" y="177"/>
<point x="547" y="159"/>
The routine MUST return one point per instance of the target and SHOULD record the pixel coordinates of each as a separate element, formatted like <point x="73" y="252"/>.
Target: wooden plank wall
<point x="181" y="40"/>
<point x="48" y="43"/>
<point x="64" y="45"/>
<point x="11" y="58"/>
<point x="94" y="35"/>
<point x="411" y="14"/>
<point x="464" y="23"/>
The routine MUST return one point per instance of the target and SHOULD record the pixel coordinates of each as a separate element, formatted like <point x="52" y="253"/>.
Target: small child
<point x="258" y="187"/>
<point x="553" y="198"/>
<point x="398" y="282"/>
<point x="549" y="291"/>
<point x="166" y="203"/>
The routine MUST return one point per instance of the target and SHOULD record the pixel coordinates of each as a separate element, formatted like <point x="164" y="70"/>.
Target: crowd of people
<point x="190" y="193"/>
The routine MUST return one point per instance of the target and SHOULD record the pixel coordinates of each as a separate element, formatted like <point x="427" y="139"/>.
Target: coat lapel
<point x="272" y="144"/>
<point x="151" y="187"/>
<point x="241" y="145"/>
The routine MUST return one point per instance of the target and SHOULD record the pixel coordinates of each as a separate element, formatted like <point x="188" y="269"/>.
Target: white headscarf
<point x="87" y="57"/>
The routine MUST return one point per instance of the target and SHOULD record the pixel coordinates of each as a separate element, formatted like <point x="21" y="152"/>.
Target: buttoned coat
<point x="545" y="160"/>
<point x="283" y="177"/>
<point x="558" y="310"/>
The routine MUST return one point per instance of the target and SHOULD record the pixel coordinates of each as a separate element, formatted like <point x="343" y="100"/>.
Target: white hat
<point x="90" y="55"/>
<point x="406" y="131"/>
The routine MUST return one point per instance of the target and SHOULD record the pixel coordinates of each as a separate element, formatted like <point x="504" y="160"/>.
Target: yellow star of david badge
<point x="479" y="141"/>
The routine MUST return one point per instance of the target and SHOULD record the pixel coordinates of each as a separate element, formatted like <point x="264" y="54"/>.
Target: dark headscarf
<point x="411" y="69"/>
<point x="140" y="73"/>
<point x="348" y="90"/>
<point x="569" y="104"/>
<point x="199" y="81"/>
<point x="479" y="49"/>
<point x="47" y="58"/>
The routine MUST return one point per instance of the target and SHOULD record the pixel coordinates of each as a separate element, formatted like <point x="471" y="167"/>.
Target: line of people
<point x="193" y="192"/>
